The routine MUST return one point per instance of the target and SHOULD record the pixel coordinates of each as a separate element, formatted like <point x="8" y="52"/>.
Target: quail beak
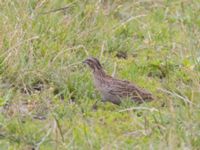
<point x="84" y="62"/>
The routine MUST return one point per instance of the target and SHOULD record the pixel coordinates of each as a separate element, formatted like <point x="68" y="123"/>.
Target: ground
<point x="47" y="95"/>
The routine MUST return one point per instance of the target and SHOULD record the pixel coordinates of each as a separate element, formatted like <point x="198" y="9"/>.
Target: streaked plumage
<point x="115" y="90"/>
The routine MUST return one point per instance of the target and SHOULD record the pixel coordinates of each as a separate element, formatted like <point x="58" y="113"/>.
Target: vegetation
<point x="46" y="93"/>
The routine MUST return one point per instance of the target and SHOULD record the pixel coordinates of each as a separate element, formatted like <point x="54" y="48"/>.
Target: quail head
<point x="115" y="90"/>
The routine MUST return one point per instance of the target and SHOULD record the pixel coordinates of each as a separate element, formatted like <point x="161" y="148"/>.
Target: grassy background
<point x="46" y="94"/>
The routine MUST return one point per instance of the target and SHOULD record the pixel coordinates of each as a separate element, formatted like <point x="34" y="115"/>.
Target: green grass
<point x="46" y="94"/>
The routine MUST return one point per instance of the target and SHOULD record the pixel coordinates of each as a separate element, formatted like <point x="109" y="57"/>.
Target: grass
<point x="46" y="94"/>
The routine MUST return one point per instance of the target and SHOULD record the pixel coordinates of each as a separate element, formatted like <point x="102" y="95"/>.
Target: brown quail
<point x="115" y="90"/>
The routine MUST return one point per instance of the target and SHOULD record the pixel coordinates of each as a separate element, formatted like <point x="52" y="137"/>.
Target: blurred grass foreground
<point x="46" y="94"/>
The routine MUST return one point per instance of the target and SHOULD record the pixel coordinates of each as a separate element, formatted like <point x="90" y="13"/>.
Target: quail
<point x="115" y="90"/>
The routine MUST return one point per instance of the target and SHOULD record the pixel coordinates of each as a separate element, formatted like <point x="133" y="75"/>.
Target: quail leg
<point x="94" y="106"/>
